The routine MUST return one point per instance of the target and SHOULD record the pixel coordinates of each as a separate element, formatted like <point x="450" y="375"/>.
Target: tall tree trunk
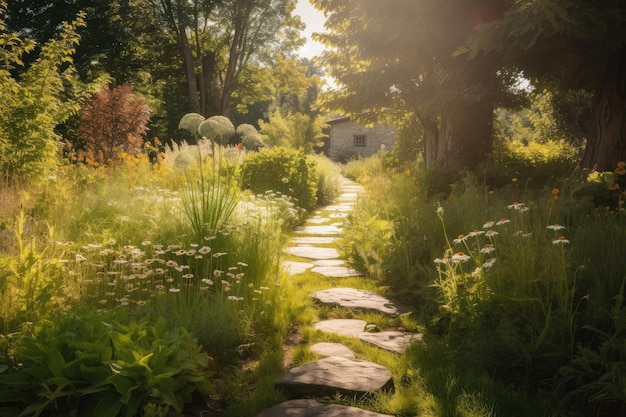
<point x="190" y="72"/>
<point x="606" y="145"/>
<point x="469" y="136"/>
<point x="431" y="140"/>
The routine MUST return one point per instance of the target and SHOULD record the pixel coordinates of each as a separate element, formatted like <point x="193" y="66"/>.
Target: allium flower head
<point x="217" y="128"/>
<point x="190" y="122"/>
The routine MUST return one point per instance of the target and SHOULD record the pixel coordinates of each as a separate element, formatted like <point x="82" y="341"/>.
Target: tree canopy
<point x="450" y="63"/>
<point x="206" y="56"/>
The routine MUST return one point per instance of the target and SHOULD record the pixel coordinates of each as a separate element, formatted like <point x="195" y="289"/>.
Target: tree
<point x="568" y="45"/>
<point x="45" y="94"/>
<point x="251" y="34"/>
<point x="295" y="130"/>
<point x="107" y="38"/>
<point x="184" y="19"/>
<point x="401" y="55"/>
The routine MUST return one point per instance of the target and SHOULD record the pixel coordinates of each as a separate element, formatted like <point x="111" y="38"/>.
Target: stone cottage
<point x="349" y="139"/>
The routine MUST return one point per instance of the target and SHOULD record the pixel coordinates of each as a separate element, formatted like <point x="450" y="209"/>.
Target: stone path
<point x="339" y="371"/>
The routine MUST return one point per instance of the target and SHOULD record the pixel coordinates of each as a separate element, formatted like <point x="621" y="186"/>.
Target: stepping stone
<point x="337" y="271"/>
<point x="343" y="327"/>
<point x="329" y="262"/>
<point x="332" y="349"/>
<point x="294" y="268"/>
<point x="328" y="230"/>
<point x="312" y="252"/>
<point x="336" y="375"/>
<point x="314" y="240"/>
<point x="353" y="298"/>
<point x="336" y="215"/>
<point x="339" y="207"/>
<point x="317" y="220"/>
<point x="312" y="408"/>
<point x="349" y="195"/>
<point x="392" y="341"/>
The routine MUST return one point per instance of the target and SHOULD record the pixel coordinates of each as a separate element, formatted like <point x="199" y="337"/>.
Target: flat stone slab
<point x="336" y="375"/>
<point x="328" y="230"/>
<point x="343" y="327"/>
<point x="332" y="349"/>
<point x="317" y="220"/>
<point x="353" y="298"/>
<point x="312" y="252"/>
<point x="339" y="215"/>
<point x="340" y="207"/>
<point x="337" y="271"/>
<point x="312" y="408"/>
<point x="313" y="240"/>
<point x="329" y="262"/>
<point x="293" y="267"/>
<point x="392" y="341"/>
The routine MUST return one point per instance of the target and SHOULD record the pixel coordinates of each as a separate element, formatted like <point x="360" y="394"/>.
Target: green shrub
<point x="282" y="170"/>
<point x="46" y="94"/>
<point x="87" y="365"/>
<point x="328" y="186"/>
<point x="363" y="170"/>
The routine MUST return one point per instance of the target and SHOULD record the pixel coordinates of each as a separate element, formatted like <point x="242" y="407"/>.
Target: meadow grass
<point x="511" y="283"/>
<point x="124" y="238"/>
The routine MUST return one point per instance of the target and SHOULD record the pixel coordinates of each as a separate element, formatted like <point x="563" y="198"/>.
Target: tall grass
<point x="211" y="191"/>
<point x="520" y="282"/>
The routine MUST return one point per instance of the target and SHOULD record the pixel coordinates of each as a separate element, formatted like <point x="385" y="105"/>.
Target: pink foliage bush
<point x="113" y="122"/>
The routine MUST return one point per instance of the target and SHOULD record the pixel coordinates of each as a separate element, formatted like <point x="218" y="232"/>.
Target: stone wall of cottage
<point x="342" y="139"/>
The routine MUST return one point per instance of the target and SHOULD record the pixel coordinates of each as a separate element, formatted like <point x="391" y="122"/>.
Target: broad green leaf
<point x="56" y="363"/>
<point x="109" y="406"/>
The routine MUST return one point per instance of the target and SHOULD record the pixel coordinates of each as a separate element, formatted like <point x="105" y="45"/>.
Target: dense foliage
<point x="283" y="170"/>
<point x="522" y="281"/>
<point x="46" y="94"/>
<point x="449" y="65"/>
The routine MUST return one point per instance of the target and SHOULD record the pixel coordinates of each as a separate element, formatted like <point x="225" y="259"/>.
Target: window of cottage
<point x="359" y="141"/>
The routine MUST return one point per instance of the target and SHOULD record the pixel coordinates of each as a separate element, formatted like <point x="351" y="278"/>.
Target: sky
<point x="314" y="20"/>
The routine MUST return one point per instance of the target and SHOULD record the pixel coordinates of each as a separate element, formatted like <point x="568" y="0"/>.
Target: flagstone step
<point x="295" y="268"/>
<point x="336" y="271"/>
<point x="336" y="375"/>
<point x="323" y="230"/>
<point x="332" y="349"/>
<point x="390" y="340"/>
<point x="312" y="252"/>
<point x="357" y="299"/>
<point x="313" y="408"/>
<point x="313" y="240"/>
